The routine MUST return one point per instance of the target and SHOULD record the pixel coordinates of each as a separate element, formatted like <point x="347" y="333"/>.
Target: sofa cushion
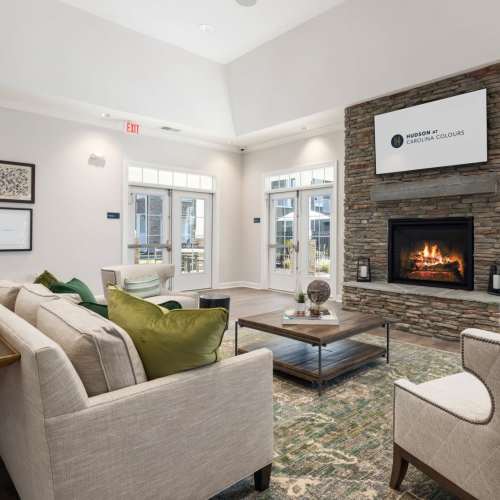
<point x="101" y="352"/>
<point x="8" y="293"/>
<point x="168" y="341"/>
<point x="29" y="299"/>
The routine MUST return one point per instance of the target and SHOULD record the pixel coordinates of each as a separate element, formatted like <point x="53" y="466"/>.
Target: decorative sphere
<point x="318" y="292"/>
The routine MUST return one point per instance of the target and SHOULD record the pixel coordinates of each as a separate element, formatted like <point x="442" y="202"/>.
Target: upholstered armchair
<point x="116" y="275"/>
<point x="450" y="428"/>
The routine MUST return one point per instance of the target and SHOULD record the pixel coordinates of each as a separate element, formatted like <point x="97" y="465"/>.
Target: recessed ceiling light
<point x="247" y="3"/>
<point x="207" y="28"/>
<point x="105" y="115"/>
<point x="170" y="129"/>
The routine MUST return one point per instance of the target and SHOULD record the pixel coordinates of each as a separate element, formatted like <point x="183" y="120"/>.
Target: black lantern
<point x="494" y="281"/>
<point x="364" y="272"/>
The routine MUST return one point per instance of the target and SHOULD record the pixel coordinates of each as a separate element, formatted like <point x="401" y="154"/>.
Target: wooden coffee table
<point x="316" y="353"/>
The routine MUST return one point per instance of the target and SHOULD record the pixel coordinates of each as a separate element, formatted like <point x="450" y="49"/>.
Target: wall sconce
<point x="364" y="272"/>
<point x="97" y="160"/>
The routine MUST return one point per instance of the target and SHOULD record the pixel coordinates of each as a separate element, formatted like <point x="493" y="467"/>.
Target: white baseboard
<point x="238" y="284"/>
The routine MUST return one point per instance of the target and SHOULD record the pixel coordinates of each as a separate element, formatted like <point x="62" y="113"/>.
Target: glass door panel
<point x="316" y="234"/>
<point x="148" y="228"/>
<point x="283" y="241"/>
<point x="192" y="236"/>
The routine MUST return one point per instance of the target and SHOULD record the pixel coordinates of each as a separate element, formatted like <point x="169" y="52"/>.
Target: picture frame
<point x="17" y="182"/>
<point x="16" y="229"/>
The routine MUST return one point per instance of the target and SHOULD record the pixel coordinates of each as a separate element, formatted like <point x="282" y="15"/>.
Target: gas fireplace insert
<point x="432" y="252"/>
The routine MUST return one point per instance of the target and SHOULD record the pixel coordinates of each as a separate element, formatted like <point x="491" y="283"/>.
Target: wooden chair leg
<point x="262" y="478"/>
<point x="399" y="468"/>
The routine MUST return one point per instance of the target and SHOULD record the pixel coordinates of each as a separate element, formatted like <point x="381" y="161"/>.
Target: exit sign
<point x="132" y="128"/>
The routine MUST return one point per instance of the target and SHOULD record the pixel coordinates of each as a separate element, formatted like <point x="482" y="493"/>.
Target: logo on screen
<point x="397" y="141"/>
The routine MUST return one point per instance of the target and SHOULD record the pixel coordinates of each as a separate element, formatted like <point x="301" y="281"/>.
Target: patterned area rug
<point x="339" y="446"/>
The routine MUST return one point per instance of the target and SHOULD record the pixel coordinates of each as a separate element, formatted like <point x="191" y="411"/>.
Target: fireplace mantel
<point x="443" y="293"/>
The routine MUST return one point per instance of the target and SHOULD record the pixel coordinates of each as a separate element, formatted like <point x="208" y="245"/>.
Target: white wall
<point x="357" y="51"/>
<point x="71" y="233"/>
<point x="52" y="49"/>
<point x="290" y="156"/>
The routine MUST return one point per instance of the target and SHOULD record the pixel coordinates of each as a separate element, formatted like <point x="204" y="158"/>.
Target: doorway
<point x="172" y="226"/>
<point x="301" y="238"/>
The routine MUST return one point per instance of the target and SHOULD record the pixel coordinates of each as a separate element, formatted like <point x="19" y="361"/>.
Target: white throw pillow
<point x="29" y="299"/>
<point x="8" y="293"/>
<point x="102" y="353"/>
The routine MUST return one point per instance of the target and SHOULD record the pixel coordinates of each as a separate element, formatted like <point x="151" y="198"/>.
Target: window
<point x="318" y="176"/>
<point x="167" y="178"/>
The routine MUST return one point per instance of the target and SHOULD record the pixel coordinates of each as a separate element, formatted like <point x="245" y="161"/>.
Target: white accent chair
<point x="450" y="428"/>
<point x="116" y="275"/>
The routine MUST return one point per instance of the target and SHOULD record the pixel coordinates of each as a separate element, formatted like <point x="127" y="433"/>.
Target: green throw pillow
<point x="101" y="309"/>
<point x="171" y="305"/>
<point x="74" y="286"/>
<point x="168" y="342"/>
<point x="46" y="279"/>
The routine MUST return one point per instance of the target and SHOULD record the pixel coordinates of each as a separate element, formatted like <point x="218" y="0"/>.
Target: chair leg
<point x="399" y="468"/>
<point x="262" y="478"/>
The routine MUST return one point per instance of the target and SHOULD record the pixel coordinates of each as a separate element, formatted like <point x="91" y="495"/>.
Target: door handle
<point x="168" y="246"/>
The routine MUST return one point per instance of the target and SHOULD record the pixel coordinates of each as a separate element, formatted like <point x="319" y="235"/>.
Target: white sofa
<point x="450" y="428"/>
<point x="116" y="275"/>
<point x="186" y="436"/>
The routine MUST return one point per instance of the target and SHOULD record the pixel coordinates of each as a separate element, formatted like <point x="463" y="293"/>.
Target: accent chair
<point x="450" y="428"/>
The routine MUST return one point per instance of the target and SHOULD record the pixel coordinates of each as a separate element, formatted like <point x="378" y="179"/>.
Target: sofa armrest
<point x="189" y="435"/>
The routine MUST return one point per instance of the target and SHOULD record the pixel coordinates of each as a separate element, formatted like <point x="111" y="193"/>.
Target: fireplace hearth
<point x="432" y="252"/>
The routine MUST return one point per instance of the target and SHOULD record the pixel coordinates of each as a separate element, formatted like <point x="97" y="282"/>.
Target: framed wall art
<point x="16" y="229"/>
<point x="17" y="182"/>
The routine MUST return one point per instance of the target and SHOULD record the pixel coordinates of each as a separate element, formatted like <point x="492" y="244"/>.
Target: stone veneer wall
<point x="429" y="316"/>
<point x="366" y="220"/>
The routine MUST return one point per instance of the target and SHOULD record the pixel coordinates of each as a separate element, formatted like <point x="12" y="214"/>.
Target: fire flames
<point x="430" y="263"/>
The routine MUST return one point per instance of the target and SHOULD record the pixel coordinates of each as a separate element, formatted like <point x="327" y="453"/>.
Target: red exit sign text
<point x="132" y="128"/>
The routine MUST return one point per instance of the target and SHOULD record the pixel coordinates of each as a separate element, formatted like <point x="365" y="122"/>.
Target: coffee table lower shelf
<point x="304" y="361"/>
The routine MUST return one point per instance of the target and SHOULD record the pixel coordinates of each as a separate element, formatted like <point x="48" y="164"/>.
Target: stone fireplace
<point x="432" y="252"/>
<point x="388" y="212"/>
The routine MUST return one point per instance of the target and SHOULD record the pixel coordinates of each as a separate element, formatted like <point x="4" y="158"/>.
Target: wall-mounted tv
<point x="442" y="133"/>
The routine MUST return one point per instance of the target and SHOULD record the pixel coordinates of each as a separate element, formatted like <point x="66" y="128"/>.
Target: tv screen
<point x="442" y="133"/>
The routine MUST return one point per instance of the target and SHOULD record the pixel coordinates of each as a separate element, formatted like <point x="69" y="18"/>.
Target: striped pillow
<point x="149" y="286"/>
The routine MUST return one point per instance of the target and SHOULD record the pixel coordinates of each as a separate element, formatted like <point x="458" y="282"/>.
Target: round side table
<point x="211" y="300"/>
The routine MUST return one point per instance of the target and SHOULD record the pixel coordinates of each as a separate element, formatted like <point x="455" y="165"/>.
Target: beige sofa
<point x="116" y="275"/>
<point x="186" y="436"/>
<point x="450" y="428"/>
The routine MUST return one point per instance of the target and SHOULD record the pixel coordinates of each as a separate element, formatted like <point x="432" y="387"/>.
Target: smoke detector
<point x="170" y="129"/>
<point x="246" y="3"/>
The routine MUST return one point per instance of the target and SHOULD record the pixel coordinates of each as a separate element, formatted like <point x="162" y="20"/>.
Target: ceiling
<point x="232" y="30"/>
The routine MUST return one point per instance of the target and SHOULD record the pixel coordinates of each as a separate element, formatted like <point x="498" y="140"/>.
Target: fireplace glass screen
<point x="434" y="252"/>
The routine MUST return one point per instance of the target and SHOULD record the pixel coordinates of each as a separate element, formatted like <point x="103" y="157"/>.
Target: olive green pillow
<point x="46" y="279"/>
<point x="74" y="286"/>
<point x="168" y="342"/>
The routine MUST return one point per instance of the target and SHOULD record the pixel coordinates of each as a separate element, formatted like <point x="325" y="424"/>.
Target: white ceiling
<point x="236" y="29"/>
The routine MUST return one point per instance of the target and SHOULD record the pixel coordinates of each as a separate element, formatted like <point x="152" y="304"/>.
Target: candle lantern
<point x="364" y="272"/>
<point x="494" y="281"/>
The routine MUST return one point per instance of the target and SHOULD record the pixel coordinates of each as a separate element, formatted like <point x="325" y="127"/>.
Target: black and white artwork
<point x="17" y="182"/>
<point x="16" y="229"/>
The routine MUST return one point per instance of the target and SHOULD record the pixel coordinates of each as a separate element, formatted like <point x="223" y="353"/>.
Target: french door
<point x="172" y="227"/>
<point x="301" y="238"/>
<point x="192" y="240"/>
<point x="149" y="226"/>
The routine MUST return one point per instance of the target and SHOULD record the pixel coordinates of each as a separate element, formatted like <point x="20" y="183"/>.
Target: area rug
<point x="339" y="446"/>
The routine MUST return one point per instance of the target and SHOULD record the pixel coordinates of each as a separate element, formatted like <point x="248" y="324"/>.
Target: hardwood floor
<point x="247" y="302"/>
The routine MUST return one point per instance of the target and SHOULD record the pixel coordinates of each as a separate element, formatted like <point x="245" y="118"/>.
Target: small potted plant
<point x="301" y="303"/>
